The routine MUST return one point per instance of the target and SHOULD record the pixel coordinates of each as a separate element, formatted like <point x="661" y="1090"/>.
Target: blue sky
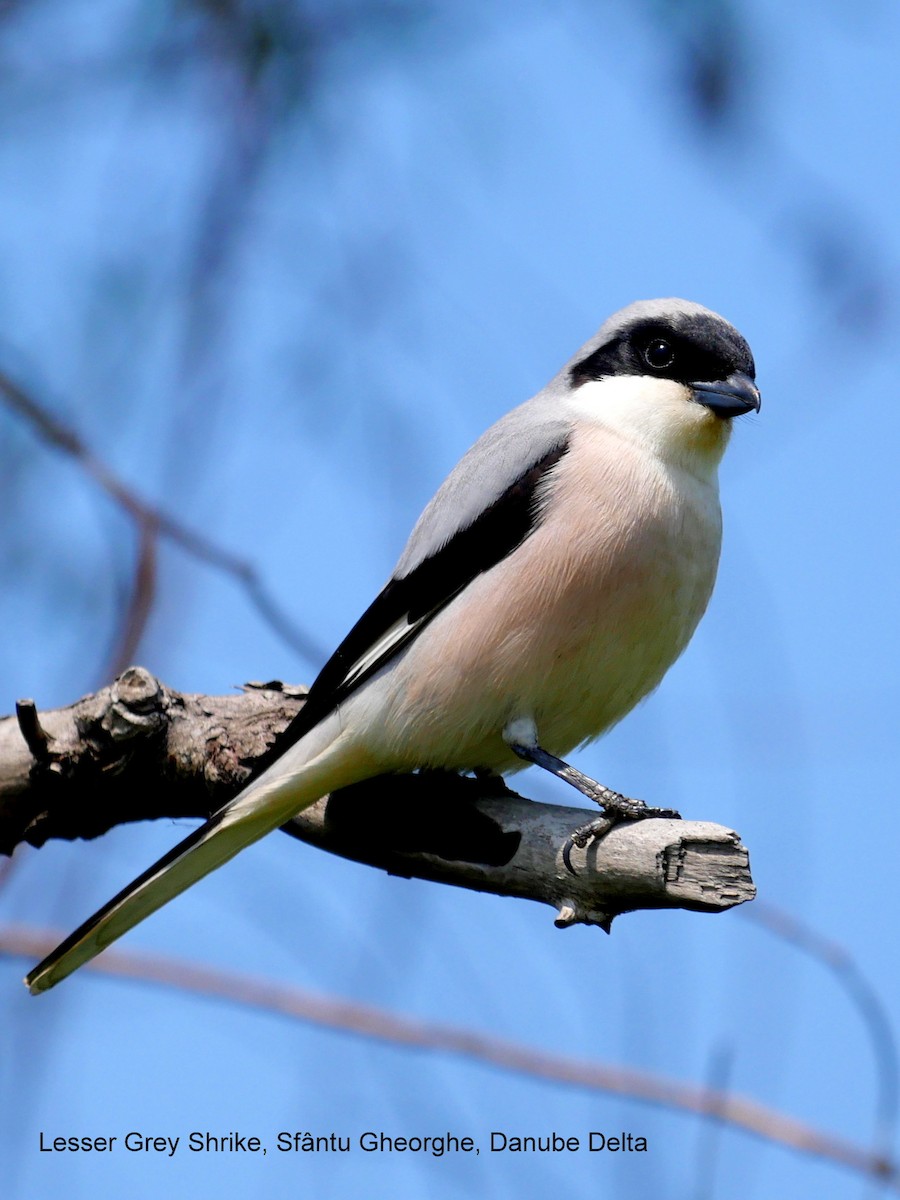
<point x="446" y="212"/>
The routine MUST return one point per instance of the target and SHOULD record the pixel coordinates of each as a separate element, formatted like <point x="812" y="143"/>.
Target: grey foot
<point x="616" y="807"/>
<point x="614" y="804"/>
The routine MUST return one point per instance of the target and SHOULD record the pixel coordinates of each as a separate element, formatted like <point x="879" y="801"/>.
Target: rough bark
<point x="139" y="750"/>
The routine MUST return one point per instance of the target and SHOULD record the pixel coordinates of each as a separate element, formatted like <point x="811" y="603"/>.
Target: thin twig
<point x="36" y="738"/>
<point x="148" y="519"/>
<point x="367" y="1021"/>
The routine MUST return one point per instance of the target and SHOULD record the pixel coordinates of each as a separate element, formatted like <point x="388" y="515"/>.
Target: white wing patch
<point x="397" y="634"/>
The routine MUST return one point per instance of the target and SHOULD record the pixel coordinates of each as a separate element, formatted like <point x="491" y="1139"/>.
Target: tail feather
<point x="266" y="804"/>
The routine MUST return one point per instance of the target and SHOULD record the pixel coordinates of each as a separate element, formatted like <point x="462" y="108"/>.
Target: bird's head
<point x="668" y="373"/>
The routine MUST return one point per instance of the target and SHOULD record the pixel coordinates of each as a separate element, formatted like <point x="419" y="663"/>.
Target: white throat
<point x="660" y="416"/>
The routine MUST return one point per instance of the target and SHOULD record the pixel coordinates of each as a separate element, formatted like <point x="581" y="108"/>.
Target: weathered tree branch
<point x="139" y="750"/>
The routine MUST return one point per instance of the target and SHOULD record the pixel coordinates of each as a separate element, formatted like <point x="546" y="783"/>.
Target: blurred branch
<point x="138" y="750"/>
<point x="367" y="1021"/>
<point x="7" y="866"/>
<point x="239" y="45"/>
<point x="719" y="65"/>
<point x="152" y="523"/>
<point x="835" y="958"/>
<point x="718" y="1074"/>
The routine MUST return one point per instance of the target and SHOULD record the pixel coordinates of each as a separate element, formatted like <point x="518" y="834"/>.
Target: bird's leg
<point x="614" y="804"/>
<point x="521" y="737"/>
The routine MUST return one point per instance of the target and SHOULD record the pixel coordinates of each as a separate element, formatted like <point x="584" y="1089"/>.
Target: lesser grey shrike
<point x="556" y="575"/>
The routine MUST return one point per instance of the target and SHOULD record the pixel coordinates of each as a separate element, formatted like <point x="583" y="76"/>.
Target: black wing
<point x="408" y="603"/>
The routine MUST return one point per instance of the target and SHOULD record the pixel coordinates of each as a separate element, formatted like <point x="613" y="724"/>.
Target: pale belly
<point x="572" y="629"/>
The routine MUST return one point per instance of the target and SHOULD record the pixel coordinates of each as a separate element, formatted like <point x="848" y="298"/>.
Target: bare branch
<point x="138" y="750"/>
<point x="362" y="1019"/>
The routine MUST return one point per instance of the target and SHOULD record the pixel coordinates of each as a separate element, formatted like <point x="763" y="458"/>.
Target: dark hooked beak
<point x="729" y="397"/>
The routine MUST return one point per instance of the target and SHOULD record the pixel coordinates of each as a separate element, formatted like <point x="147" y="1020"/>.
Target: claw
<point x="580" y="837"/>
<point x="599" y="827"/>
<point x="567" y="854"/>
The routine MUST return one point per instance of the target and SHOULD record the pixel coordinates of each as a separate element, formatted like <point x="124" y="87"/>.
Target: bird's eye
<point x="659" y="354"/>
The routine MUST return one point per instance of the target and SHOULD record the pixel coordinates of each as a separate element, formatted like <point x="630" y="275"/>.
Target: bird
<point x="555" y="576"/>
